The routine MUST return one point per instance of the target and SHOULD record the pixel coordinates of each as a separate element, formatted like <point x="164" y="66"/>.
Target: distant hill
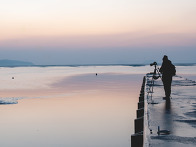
<point x="14" y="63"/>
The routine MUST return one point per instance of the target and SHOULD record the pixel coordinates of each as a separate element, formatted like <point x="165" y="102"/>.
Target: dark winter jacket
<point x="167" y="69"/>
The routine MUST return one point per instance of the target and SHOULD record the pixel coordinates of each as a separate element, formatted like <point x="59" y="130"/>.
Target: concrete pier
<point x="175" y="119"/>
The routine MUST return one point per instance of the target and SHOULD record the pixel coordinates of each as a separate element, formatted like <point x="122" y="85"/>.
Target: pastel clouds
<point x="26" y="18"/>
<point x="129" y="40"/>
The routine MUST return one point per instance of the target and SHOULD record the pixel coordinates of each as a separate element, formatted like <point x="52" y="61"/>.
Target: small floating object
<point x="12" y="77"/>
<point x="96" y="74"/>
<point x="163" y="132"/>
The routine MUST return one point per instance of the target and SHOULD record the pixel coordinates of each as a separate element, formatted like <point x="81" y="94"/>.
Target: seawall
<point x="165" y="123"/>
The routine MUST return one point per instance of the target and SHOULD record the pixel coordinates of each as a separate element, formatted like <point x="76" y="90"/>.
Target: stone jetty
<point x="166" y="124"/>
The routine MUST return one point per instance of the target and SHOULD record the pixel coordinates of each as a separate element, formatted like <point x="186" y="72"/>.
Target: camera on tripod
<point x="156" y="71"/>
<point x="154" y="63"/>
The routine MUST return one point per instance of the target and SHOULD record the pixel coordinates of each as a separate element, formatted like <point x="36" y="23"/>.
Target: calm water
<point x="70" y="106"/>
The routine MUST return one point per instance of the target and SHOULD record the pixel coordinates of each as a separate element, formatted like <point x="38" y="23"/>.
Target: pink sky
<point x="97" y="25"/>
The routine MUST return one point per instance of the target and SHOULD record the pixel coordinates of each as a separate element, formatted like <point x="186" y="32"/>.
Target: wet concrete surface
<point x="178" y="116"/>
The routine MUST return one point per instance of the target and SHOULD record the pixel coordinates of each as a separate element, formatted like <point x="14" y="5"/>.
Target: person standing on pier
<point x="168" y="70"/>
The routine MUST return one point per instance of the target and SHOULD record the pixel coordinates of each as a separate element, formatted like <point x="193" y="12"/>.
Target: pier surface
<point x="176" y="118"/>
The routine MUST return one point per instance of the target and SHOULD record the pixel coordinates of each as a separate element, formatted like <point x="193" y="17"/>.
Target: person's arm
<point x="161" y="69"/>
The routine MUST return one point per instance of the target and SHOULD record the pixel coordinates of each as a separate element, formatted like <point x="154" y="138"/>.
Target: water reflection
<point x="78" y="110"/>
<point x="101" y="82"/>
<point x="167" y="116"/>
<point x="168" y="105"/>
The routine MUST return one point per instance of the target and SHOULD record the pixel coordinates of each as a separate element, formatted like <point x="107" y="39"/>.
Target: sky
<point x="97" y="31"/>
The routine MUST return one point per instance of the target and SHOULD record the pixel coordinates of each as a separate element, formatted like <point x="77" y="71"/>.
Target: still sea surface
<point x="64" y="106"/>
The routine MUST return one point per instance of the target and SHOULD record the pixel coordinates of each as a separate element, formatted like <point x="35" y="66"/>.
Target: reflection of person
<point x="168" y="70"/>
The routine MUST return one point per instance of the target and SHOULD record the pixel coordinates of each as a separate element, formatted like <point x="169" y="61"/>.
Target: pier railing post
<point x="137" y="138"/>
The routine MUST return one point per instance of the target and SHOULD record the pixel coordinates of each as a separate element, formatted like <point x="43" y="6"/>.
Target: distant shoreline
<point x="78" y="65"/>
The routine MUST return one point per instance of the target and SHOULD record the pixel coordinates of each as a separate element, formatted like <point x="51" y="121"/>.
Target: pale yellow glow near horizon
<point x="27" y="18"/>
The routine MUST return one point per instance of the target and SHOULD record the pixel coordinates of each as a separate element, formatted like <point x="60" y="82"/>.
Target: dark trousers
<point x="167" y="80"/>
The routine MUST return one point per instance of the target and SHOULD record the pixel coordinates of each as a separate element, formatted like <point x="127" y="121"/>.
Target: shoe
<point x="164" y="98"/>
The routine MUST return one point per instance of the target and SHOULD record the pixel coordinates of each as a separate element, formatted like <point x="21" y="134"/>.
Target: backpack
<point x="173" y="70"/>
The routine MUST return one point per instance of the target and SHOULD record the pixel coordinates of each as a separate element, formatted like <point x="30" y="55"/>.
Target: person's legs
<point x="167" y="86"/>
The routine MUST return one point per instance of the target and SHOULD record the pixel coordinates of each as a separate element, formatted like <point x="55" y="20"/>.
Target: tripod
<point x="156" y="71"/>
<point x="154" y="75"/>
